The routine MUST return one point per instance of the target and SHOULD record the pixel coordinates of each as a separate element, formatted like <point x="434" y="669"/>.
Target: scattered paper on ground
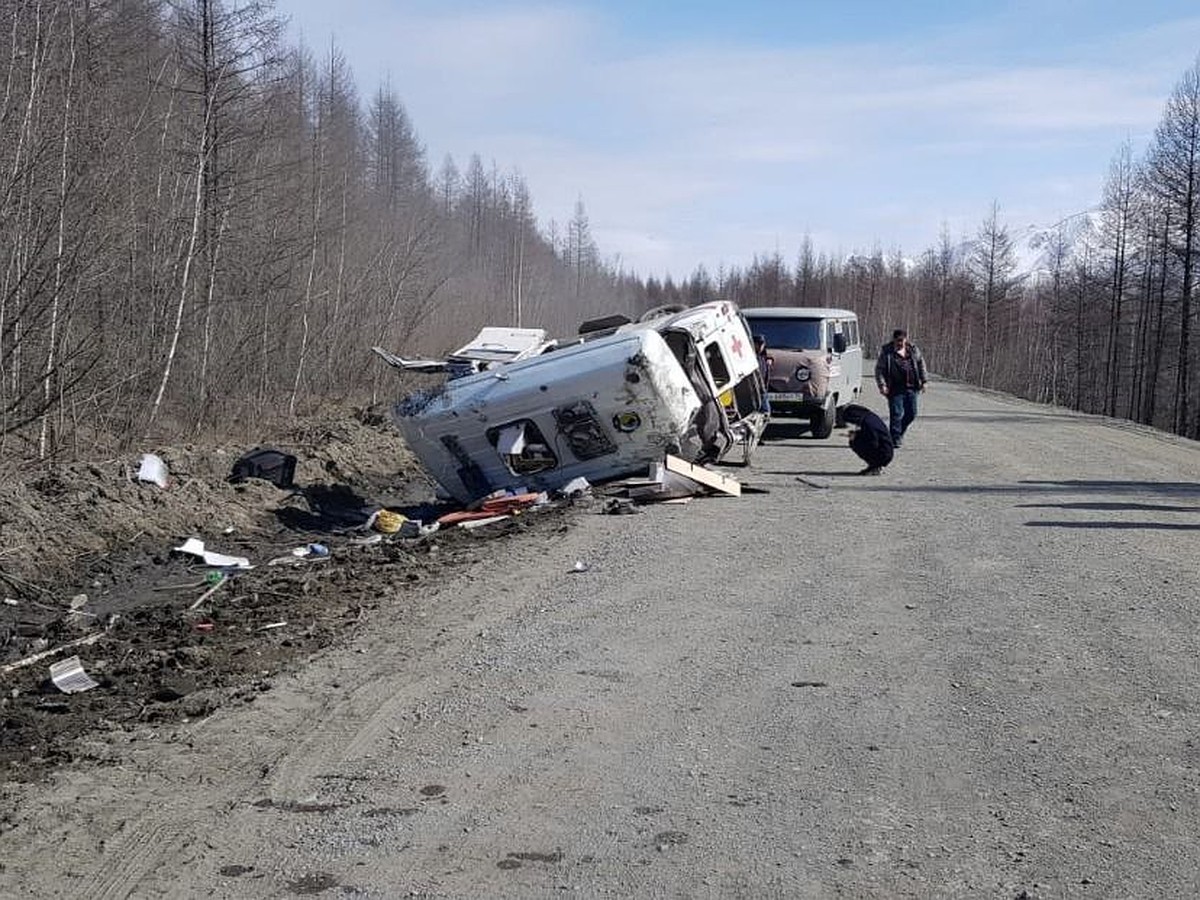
<point x="68" y="676"/>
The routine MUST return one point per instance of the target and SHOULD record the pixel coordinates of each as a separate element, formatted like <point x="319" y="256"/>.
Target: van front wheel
<point x="822" y="422"/>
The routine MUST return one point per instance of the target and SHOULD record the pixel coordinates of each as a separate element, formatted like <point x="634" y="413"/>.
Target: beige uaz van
<point x="816" y="362"/>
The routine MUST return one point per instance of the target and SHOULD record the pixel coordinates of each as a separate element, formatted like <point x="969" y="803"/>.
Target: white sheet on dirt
<point x="195" y="547"/>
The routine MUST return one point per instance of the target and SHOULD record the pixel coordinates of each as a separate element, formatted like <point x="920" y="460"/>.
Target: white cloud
<point x="708" y="154"/>
<point x="493" y="53"/>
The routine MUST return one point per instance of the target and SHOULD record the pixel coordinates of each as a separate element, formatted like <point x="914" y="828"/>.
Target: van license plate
<point x="786" y="398"/>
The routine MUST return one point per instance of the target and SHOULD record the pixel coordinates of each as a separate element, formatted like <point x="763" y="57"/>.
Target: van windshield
<point x="789" y="334"/>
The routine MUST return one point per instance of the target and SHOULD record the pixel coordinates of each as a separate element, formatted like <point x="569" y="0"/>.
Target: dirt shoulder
<point x="88" y="565"/>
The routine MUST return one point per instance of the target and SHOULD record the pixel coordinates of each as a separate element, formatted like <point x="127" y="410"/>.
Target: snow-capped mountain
<point x="1036" y="246"/>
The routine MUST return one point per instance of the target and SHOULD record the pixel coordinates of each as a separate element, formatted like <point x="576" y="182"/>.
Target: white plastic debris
<point x="68" y="676"/>
<point x="195" y="547"/>
<point x="511" y="440"/>
<point x="580" y="566"/>
<point x="153" y="469"/>
<point x="311" y="551"/>
<point x="576" y="486"/>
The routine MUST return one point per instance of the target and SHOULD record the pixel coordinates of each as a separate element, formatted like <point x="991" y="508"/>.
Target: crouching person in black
<point x="870" y="438"/>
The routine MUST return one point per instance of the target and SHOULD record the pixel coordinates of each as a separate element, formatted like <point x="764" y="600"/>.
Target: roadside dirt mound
<point x="56" y="523"/>
<point x="87" y="569"/>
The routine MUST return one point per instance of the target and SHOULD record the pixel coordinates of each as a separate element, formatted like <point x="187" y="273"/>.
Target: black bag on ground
<point x="274" y="466"/>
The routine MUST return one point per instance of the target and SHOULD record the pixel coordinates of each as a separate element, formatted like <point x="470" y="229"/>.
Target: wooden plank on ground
<point x="706" y="477"/>
<point x="479" y="523"/>
<point x="453" y="518"/>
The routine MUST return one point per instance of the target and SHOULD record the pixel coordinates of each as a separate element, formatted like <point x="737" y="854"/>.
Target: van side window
<point x="852" y="333"/>
<point x="716" y="365"/>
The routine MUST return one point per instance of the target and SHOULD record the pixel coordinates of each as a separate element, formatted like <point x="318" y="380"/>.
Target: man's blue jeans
<point x="902" y="409"/>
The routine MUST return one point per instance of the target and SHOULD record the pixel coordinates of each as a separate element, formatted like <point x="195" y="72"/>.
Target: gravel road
<point x="974" y="676"/>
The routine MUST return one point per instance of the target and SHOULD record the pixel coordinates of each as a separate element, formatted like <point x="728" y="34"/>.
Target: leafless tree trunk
<point x="318" y="196"/>
<point x="1160" y="300"/>
<point x="185" y="281"/>
<point x="48" y="373"/>
<point x="1174" y="174"/>
<point x="1120" y="192"/>
<point x="992" y="265"/>
<point x="207" y="339"/>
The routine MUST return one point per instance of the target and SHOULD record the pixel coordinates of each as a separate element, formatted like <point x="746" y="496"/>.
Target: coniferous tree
<point x="1174" y="176"/>
<point x="1119" y="206"/>
<point x="992" y="265"/>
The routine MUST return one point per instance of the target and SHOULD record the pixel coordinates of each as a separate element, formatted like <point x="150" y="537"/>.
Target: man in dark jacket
<point x="764" y="369"/>
<point x="869" y="438"/>
<point x="900" y="375"/>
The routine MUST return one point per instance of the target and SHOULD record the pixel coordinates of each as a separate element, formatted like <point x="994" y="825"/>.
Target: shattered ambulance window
<point x="716" y="365"/>
<point x="582" y="429"/>
<point x="522" y="447"/>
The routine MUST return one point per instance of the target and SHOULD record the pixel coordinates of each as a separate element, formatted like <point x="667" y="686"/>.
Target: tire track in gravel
<point x="385" y="692"/>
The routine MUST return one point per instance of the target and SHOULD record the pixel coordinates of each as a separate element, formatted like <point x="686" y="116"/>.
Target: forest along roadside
<point x="969" y="676"/>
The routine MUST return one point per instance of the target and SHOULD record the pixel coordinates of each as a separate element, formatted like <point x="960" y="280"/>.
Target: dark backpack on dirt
<point x="270" y="465"/>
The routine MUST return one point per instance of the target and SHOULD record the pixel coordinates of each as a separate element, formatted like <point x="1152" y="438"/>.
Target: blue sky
<point x="705" y="132"/>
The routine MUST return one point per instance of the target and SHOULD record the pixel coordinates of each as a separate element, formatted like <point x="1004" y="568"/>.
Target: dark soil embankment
<point x="86" y="550"/>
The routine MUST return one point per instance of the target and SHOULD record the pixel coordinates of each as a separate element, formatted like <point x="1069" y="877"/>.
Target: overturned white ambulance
<point x="683" y="382"/>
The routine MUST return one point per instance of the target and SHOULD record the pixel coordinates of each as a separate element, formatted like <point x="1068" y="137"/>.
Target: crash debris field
<point x="159" y="603"/>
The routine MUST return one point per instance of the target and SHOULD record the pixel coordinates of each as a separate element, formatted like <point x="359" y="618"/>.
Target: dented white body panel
<point x="597" y="410"/>
<point x="501" y="345"/>
<point x="679" y="382"/>
<point x="491" y="347"/>
<point x="714" y="324"/>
